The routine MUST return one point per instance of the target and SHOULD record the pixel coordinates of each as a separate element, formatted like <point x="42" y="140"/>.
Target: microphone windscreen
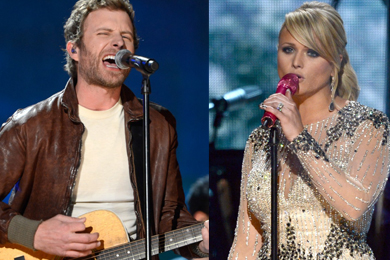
<point x="122" y="59"/>
<point x="288" y="81"/>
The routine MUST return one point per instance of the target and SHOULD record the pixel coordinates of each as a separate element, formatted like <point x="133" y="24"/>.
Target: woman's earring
<point x="331" y="105"/>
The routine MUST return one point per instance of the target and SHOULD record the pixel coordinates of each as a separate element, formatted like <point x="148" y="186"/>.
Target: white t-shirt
<point x="103" y="180"/>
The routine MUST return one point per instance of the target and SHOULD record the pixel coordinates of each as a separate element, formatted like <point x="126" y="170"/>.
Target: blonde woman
<point x="333" y="157"/>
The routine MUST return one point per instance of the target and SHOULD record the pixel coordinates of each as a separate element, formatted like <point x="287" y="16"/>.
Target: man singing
<point x="74" y="152"/>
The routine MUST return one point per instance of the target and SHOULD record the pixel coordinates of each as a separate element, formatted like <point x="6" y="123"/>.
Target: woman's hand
<point x="285" y="109"/>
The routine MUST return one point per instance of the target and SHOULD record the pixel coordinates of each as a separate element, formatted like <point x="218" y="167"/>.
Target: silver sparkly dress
<point x="330" y="177"/>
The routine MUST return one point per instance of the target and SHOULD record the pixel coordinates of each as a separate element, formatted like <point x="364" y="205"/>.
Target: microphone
<point x="235" y="99"/>
<point x="289" y="81"/>
<point x="124" y="59"/>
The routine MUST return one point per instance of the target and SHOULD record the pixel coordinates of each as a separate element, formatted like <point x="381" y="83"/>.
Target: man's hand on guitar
<point x="59" y="236"/>
<point x="204" y="245"/>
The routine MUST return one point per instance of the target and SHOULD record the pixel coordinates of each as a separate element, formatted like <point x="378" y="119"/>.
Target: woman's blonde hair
<point x="319" y="26"/>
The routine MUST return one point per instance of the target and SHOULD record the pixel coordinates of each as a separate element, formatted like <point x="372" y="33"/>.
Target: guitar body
<point x="106" y="223"/>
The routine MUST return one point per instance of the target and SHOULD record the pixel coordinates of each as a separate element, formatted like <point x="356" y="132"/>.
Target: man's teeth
<point x="110" y="57"/>
<point x="110" y="61"/>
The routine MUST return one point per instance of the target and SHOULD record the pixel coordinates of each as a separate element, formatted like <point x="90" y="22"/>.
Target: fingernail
<point x="289" y="91"/>
<point x="262" y="106"/>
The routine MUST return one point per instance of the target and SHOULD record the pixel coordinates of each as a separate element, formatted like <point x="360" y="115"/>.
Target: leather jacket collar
<point x="131" y="105"/>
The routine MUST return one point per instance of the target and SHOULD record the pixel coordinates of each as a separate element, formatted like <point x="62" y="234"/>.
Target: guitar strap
<point x="136" y="129"/>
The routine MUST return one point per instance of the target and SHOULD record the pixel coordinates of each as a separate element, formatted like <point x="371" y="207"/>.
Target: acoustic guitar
<point x="115" y="241"/>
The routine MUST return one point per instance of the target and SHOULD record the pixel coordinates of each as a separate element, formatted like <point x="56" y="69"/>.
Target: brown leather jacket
<point x="40" y="150"/>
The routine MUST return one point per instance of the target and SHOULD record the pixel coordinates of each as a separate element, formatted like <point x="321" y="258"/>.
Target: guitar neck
<point x="160" y="243"/>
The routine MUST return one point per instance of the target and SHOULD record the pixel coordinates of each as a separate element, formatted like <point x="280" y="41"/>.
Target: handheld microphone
<point x="124" y="59"/>
<point x="289" y="81"/>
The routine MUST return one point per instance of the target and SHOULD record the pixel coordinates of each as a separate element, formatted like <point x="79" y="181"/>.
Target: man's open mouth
<point x="109" y="61"/>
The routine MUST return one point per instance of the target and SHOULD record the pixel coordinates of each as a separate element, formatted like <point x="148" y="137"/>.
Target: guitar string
<point x="136" y="248"/>
<point x="135" y="252"/>
<point x="140" y="244"/>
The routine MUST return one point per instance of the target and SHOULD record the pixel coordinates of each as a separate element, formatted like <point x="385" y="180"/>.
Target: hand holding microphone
<point x="283" y="107"/>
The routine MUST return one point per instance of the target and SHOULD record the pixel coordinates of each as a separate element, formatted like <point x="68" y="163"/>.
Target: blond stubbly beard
<point x="90" y="72"/>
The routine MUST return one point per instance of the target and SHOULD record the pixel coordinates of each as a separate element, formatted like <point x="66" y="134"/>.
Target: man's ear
<point x="72" y="50"/>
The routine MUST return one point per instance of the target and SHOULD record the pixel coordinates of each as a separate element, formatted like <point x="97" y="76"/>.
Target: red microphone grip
<point x="289" y="81"/>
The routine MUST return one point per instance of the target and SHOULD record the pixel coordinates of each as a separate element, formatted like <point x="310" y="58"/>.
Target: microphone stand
<point x="220" y="109"/>
<point x="146" y="90"/>
<point x="124" y="59"/>
<point x="146" y="67"/>
<point x="273" y="141"/>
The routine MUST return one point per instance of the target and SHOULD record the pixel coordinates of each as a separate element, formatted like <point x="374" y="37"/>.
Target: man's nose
<point x="118" y="41"/>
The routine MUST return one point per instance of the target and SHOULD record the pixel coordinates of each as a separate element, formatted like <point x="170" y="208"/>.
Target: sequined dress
<point x="330" y="177"/>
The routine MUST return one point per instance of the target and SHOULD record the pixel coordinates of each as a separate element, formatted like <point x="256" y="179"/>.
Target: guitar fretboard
<point x="160" y="243"/>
